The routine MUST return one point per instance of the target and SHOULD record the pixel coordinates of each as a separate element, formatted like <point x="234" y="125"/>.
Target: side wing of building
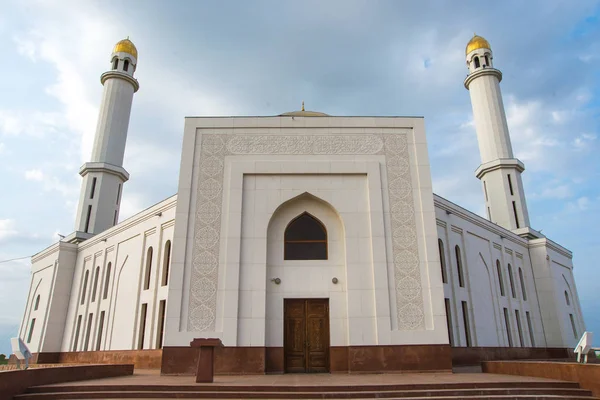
<point x="502" y="290"/>
<point x="106" y="293"/>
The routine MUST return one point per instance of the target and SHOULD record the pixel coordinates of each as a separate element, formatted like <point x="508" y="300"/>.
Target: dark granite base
<point x="475" y="355"/>
<point x="352" y="359"/>
<point x="147" y="359"/>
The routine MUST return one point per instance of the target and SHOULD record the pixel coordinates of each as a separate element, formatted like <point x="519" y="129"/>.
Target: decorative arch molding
<point x="202" y="300"/>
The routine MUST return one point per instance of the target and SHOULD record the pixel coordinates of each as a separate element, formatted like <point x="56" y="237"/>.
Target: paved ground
<point x="153" y="377"/>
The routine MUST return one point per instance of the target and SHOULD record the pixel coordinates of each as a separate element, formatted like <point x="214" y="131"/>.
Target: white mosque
<point x="306" y="243"/>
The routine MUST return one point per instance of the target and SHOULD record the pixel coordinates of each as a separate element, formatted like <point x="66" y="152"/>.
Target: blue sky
<point x="341" y="57"/>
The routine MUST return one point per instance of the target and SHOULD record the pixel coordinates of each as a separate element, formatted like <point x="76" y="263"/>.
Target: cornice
<point x="53" y="248"/>
<point x="501" y="163"/>
<point x="482" y="72"/>
<point x="151" y="212"/>
<point x="475" y="219"/>
<point x="120" y="75"/>
<point x="104" y="167"/>
<point x="545" y="242"/>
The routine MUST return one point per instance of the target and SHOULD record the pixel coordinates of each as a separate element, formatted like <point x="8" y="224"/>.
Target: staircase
<point x="406" y="391"/>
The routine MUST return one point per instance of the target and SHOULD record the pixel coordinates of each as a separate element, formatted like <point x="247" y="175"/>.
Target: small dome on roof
<point x="303" y="113"/>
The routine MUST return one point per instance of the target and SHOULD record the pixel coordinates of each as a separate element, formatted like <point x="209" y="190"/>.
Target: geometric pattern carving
<point x="214" y="148"/>
<point x="407" y="274"/>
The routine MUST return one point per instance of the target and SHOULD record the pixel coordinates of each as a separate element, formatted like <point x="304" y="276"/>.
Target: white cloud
<point x="2" y="147"/>
<point x="581" y="204"/>
<point x="34" y="175"/>
<point x="556" y="192"/>
<point x="31" y="123"/>
<point x="69" y="189"/>
<point x="583" y="141"/>
<point x="7" y="228"/>
<point x="25" y="47"/>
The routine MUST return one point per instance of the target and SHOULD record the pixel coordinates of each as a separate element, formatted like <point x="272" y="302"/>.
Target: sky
<point x="342" y="57"/>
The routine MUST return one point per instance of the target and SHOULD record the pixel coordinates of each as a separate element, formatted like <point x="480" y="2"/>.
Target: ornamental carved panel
<point x="205" y="262"/>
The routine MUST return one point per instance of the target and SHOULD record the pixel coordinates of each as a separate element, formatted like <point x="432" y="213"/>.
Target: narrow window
<point x="93" y="188"/>
<point x="442" y="260"/>
<point x="305" y="239"/>
<point x="142" y="326"/>
<point x="523" y="289"/>
<point x="573" y="326"/>
<point x="77" y="329"/>
<point x="489" y="214"/>
<point x="519" y="329"/>
<point x="500" y="280"/>
<point x="161" y="323"/>
<point x="449" y="322"/>
<point x="477" y="62"/>
<point x="487" y="60"/>
<point x="115" y="218"/>
<point x="510" y="185"/>
<point x="512" y="282"/>
<point x="507" y="323"/>
<point x="31" y="330"/>
<point x="126" y="65"/>
<point x="85" y="280"/>
<point x="148" y="269"/>
<point x="115" y="63"/>
<point x="37" y="303"/>
<point x="530" y="327"/>
<point x="485" y="190"/>
<point x="100" y="329"/>
<point x="87" y="219"/>
<point x="87" y="332"/>
<point x="119" y="194"/>
<point x="461" y="281"/>
<point x="516" y="217"/>
<point x="107" y="281"/>
<point x="96" y="277"/>
<point x="166" y="263"/>
<point x="466" y="323"/>
<point x="567" y="298"/>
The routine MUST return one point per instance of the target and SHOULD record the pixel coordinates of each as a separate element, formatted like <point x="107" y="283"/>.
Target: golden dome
<point x="126" y="46"/>
<point x="477" y="42"/>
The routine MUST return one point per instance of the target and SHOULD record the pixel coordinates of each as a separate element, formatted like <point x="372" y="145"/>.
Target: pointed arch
<point x="305" y="238"/>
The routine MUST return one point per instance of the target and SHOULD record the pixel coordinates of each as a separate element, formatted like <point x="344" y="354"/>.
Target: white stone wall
<point x="393" y="288"/>
<point x="540" y="295"/>
<point x="59" y="277"/>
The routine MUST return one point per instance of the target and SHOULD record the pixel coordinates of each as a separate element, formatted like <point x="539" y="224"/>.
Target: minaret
<point x="104" y="175"/>
<point x="499" y="171"/>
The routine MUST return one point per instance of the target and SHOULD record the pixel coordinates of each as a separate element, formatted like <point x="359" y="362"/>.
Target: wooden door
<point x="306" y="335"/>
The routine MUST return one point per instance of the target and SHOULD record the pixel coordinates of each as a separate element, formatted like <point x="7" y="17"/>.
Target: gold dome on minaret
<point x="126" y="46"/>
<point x="477" y="42"/>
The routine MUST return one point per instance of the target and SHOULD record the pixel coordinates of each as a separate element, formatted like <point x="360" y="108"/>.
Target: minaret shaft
<point x="104" y="175"/>
<point x="113" y="122"/>
<point x="500" y="171"/>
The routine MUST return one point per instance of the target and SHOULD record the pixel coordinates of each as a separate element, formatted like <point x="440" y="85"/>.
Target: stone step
<point x="537" y="393"/>
<point x="493" y="397"/>
<point x="217" y="387"/>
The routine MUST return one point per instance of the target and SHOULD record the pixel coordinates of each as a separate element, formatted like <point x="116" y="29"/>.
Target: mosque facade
<point x="306" y="243"/>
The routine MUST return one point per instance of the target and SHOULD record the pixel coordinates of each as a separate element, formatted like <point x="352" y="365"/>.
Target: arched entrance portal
<point x="306" y="300"/>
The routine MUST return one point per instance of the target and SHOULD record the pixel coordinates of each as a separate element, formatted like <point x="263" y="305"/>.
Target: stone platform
<point x="150" y="384"/>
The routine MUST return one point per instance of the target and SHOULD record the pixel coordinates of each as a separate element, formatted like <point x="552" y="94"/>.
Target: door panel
<point x="294" y="340"/>
<point x="306" y="335"/>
